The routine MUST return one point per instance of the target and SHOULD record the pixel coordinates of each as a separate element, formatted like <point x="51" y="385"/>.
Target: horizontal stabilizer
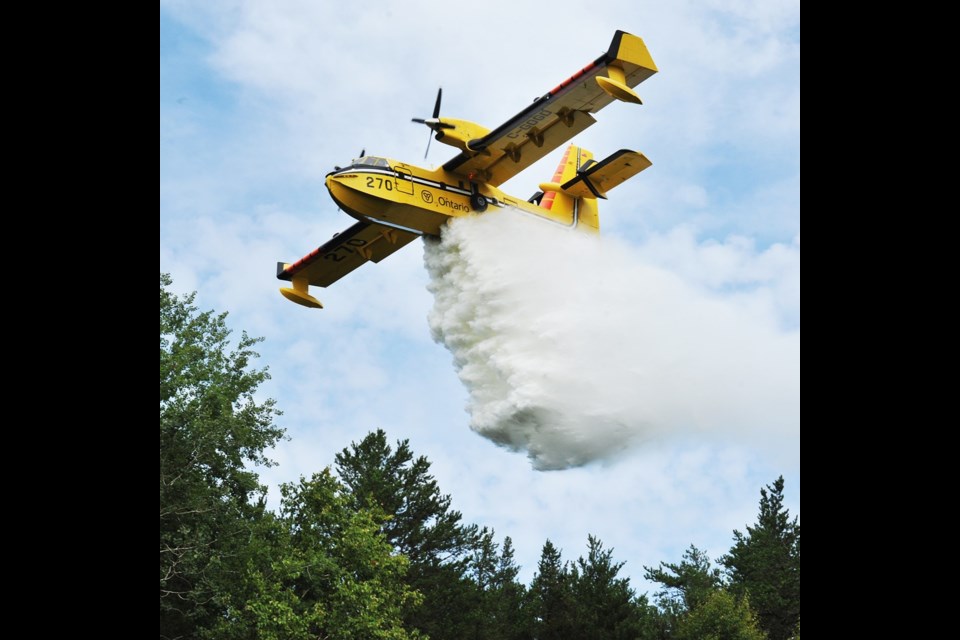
<point x="595" y="179"/>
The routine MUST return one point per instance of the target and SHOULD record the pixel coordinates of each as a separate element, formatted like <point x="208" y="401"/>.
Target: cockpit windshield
<point x="371" y="161"/>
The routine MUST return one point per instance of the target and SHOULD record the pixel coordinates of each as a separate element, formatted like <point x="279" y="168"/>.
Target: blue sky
<point x="258" y="100"/>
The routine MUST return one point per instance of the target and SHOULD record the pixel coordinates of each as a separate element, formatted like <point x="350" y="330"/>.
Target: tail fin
<point x="579" y="181"/>
<point x="562" y="205"/>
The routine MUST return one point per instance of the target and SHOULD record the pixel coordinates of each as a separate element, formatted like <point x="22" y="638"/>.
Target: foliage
<point x="686" y="584"/>
<point x="587" y="599"/>
<point x="376" y="551"/>
<point x="764" y="564"/>
<point x="421" y="525"/>
<point x="211" y="425"/>
<point x="228" y="567"/>
<point x="720" y="616"/>
<point x="605" y="607"/>
<point x="551" y="597"/>
<point x="499" y="612"/>
<point x="327" y="573"/>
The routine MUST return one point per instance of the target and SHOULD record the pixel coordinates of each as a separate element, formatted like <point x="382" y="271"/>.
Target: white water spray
<point x="572" y="347"/>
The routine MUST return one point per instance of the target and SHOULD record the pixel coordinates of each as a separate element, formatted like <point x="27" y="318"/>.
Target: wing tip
<point x="628" y="48"/>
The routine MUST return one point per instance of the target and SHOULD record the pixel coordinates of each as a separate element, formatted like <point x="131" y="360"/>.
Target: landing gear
<point x="478" y="201"/>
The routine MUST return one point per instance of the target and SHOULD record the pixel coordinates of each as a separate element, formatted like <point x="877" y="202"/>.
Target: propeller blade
<point x="434" y="122"/>
<point x="436" y="107"/>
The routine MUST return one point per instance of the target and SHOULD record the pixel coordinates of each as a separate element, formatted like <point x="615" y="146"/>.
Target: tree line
<point x="372" y="548"/>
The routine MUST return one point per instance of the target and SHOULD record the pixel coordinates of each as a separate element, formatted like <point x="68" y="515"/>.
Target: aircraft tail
<point x="579" y="181"/>
<point x="555" y="200"/>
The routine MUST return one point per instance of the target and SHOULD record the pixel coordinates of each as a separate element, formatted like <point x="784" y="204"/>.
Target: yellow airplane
<point x="396" y="202"/>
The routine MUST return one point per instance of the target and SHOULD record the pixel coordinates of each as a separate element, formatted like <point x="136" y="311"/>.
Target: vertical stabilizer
<point x="563" y="206"/>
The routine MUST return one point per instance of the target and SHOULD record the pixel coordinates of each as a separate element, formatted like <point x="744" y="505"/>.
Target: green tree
<point x="648" y="623"/>
<point x="688" y="583"/>
<point x="421" y="525"/>
<point x="764" y="564"/>
<point x="211" y="426"/>
<point x="551" y="597"/>
<point x="507" y="597"/>
<point x="720" y="616"/>
<point x="325" y="571"/>
<point x="606" y="606"/>
<point x="499" y="613"/>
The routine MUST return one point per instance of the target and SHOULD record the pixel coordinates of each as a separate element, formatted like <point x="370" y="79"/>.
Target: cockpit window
<point x="371" y="161"/>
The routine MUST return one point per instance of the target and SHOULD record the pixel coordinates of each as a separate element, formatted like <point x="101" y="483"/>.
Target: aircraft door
<point x="403" y="180"/>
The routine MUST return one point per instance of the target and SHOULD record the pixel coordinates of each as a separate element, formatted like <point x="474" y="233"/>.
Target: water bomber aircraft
<point x="395" y="202"/>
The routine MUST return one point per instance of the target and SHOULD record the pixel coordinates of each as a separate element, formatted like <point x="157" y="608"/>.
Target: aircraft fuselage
<point x="422" y="200"/>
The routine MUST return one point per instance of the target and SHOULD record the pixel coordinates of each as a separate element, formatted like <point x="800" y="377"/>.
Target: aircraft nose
<point x="343" y="188"/>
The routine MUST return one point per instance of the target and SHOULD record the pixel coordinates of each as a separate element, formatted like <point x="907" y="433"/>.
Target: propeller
<point x="434" y="121"/>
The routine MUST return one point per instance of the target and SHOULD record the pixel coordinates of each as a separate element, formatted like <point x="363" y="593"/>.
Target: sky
<point x="671" y="345"/>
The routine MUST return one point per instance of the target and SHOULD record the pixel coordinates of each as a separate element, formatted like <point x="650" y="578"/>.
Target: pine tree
<point x="606" y="606"/>
<point x="508" y="596"/>
<point x="551" y="597"/>
<point x="686" y="584"/>
<point x="421" y="525"/>
<point x="764" y="564"/>
<point x="499" y="614"/>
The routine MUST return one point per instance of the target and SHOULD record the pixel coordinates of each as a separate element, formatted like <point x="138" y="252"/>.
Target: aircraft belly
<point x="407" y="201"/>
<point x="393" y="206"/>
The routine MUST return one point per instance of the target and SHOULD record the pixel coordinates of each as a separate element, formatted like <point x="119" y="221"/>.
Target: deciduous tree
<point x="720" y="616"/>
<point x="322" y="570"/>
<point x="211" y="426"/>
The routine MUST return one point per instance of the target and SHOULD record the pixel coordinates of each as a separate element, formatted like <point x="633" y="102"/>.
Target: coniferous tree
<point x="380" y="553"/>
<point x="606" y="607"/>
<point x="764" y="564"/>
<point x="686" y="584"/>
<point x="508" y="596"/>
<point x="499" y="614"/>
<point x="421" y="525"/>
<point x="550" y="597"/>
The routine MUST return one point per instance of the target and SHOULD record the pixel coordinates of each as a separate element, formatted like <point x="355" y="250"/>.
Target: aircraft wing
<point x="558" y="115"/>
<point x="363" y="242"/>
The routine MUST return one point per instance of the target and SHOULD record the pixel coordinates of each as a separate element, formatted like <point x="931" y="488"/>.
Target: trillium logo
<point x="427" y="196"/>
